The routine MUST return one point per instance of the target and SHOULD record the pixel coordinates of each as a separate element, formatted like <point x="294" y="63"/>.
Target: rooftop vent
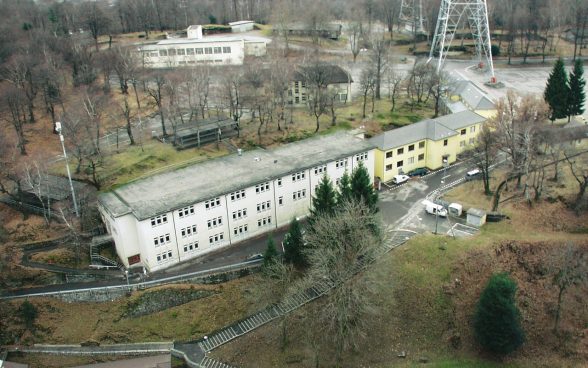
<point x="256" y="159"/>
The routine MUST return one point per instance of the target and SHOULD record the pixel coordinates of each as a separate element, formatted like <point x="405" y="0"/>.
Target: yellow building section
<point x="430" y="143"/>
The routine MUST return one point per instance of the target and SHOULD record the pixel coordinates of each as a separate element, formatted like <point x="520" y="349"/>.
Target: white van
<point x="434" y="209"/>
<point x="473" y="174"/>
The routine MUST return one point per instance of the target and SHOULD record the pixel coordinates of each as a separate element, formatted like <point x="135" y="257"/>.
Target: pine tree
<point x="557" y="91"/>
<point x="271" y="254"/>
<point x="362" y="188"/>
<point x="294" y="245"/>
<point x="324" y="200"/>
<point x="497" y="319"/>
<point x="577" y="94"/>
<point x="344" y="194"/>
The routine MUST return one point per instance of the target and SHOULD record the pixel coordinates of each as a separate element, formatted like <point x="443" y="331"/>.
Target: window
<point x="361" y="156"/>
<point x="341" y="163"/>
<point x="473" y="129"/>
<point x="208" y="50"/>
<point x="422" y="144"/>
<point x="410" y="160"/>
<point x="158" y="220"/>
<point x="445" y="142"/>
<point x="299" y="194"/>
<point x="212" y="203"/>
<point x="264" y="221"/>
<point x="240" y="230"/>
<point x="216" y="238"/>
<point x="463" y="132"/>
<point x="320" y="169"/>
<point x="263" y="187"/>
<point x="188" y="231"/>
<point x="238" y="195"/>
<point x="298" y="176"/>
<point x="153" y="54"/>
<point x="281" y="201"/>
<point x="472" y="141"/>
<point x="280" y="182"/>
<point x="218" y="50"/>
<point x="186" y="211"/>
<point x="199" y="51"/>
<point x="226" y="50"/>
<point x="171" y="52"/>
<point x="263" y="206"/>
<point x="343" y="97"/>
<point x="388" y="154"/>
<point x="190" y="247"/>
<point x="411" y="148"/>
<point x="389" y="167"/>
<point x="399" y="163"/>
<point x="400" y="151"/>
<point x="462" y="143"/>
<point x="162" y="239"/>
<point x="239" y="214"/>
<point x="297" y="99"/>
<point x="215" y="222"/>
<point x="190" y="51"/>
<point x="162" y="52"/>
<point x="181" y="51"/>
<point x="421" y="157"/>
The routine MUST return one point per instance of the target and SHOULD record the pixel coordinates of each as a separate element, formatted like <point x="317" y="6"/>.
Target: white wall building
<point x="242" y="26"/>
<point x="172" y="217"/>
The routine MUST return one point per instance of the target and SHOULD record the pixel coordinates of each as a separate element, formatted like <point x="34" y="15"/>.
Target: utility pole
<point x="73" y="193"/>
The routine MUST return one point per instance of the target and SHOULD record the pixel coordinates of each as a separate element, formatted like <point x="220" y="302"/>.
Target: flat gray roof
<point x="162" y="193"/>
<point x="434" y="129"/>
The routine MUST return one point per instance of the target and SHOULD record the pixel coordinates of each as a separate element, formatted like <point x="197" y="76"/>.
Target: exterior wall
<point x="242" y="27"/>
<point x="188" y="53"/>
<point x="253" y="48"/>
<point x="288" y="197"/>
<point x="436" y="150"/>
<point x="467" y="140"/>
<point x="488" y="114"/>
<point x="298" y="94"/>
<point x="410" y="159"/>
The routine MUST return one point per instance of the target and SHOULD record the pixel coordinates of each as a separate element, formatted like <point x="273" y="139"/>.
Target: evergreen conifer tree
<point x="344" y="194"/>
<point x="577" y="94"/>
<point x="324" y="200"/>
<point x="557" y="91"/>
<point x="497" y="319"/>
<point x="271" y="254"/>
<point x="294" y="245"/>
<point x="362" y="188"/>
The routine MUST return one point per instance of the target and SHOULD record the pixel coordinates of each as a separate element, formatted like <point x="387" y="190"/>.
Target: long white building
<point x="175" y="216"/>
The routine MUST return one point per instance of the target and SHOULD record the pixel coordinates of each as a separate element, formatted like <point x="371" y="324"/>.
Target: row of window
<point x="264" y="221"/>
<point x="463" y="143"/>
<point x="240" y="230"/>
<point x="409" y="161"/>
<point x="341" y="163"/>
<point x="190" y="247"/>
<point x="400" y="151"/>
<point x="162" y="239"/>
<point x="361" y="156"/>
<point x="188" y="231"/>
<point x="193" y="51"/>
<point x="212" y="203"/>
<point x="298" y="176"/>
<point x="472" y="130"/>
<point x="216" y="238"/>
<point x="263" y="187"/>
<point x="186" y="211"/>
<point x="299" y="194"/>
<point x="239" y="214"/>
<point x="158" y="220"/>
<point x="263" y="206"/>
<point x="238" y="195"/>
<point x="162" y="257"/>
<point x="218" y="221"/>
<point x="320" y="169"/>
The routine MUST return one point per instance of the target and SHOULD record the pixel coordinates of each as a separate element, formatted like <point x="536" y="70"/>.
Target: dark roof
<point x="331" y="73"/>
<point x="53" y="187"/>
<point x="202" y="125"/>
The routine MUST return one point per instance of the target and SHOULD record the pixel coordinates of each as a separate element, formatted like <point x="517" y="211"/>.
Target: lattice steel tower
<point x="452" y="15"/>
<point x="411" y="14"/>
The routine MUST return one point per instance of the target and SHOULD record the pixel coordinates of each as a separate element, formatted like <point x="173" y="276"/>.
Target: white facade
<point x="224" y="219"/>
<point x="189" y="52"/>
<point x="242" y="26"/>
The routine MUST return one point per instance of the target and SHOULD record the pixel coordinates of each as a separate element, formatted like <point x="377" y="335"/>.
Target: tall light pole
<point x="73" y="193"/>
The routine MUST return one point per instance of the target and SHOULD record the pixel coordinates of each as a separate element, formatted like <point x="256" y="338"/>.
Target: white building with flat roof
<point x="175" y="216"/>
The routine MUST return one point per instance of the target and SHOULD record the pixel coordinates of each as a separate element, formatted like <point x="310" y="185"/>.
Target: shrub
<point x="497" y="319"/>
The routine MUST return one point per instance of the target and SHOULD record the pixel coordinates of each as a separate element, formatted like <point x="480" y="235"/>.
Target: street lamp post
<point x="73" y="193"/>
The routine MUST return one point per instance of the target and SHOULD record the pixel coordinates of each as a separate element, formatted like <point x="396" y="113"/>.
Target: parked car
<point x="253" y="257"/>
<point x="473" y="174"/>
<point x="399" y="179"/>
<point x="421" y="171"/>
<point x="434" y="209"/>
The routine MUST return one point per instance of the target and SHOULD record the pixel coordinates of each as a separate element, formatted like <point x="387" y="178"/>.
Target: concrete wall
<point x="193" y="52"/>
